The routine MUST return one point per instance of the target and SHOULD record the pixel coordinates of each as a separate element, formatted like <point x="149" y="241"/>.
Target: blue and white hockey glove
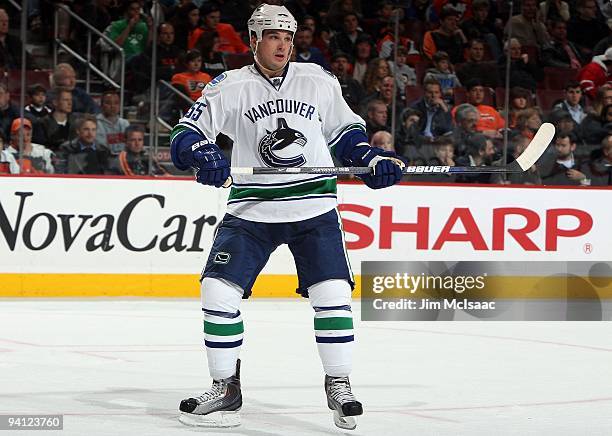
<point x="386" y="166"/>
<point x="213" y="168"/>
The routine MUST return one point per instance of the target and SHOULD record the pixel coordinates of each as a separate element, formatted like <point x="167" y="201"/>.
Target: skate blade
<point x="213" y="420"/>
<point x="345" y="422"/>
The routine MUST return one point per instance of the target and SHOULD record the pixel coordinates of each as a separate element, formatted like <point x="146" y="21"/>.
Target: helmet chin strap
<point x="268" y="69"/>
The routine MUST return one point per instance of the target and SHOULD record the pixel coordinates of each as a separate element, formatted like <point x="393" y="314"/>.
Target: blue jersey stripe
<point x="194" y="127"/>
<point x="295" y="182"/>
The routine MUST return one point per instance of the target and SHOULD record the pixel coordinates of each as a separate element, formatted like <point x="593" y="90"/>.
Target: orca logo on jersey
<point x="278" y="140"/>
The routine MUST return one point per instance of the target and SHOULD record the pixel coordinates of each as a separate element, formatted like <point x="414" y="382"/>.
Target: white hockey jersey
<point x="288" y="121"/>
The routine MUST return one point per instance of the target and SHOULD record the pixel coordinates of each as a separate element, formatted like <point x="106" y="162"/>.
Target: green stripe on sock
<point x="223" y="329"/>
<point x="333" y="323"/>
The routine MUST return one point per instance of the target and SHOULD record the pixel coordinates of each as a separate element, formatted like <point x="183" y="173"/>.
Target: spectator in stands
<point x="345" y="41"/>
<point x="364" y="52"/>
<point x="527" y="27"/>
<point x="601" y="47"/>
<point x="572" y="101"/>
<point x="301" y="9"/>
<point x="134" y="160"/>
<point x="382" y="139"/>
<point x="38" y="98"/>
<point x="603" y="97"/>
<point x="305" y="52"/>
<point x="560" y="52"/>
<point x="561" y="168"/>
<point x="376" y="117"/>
<point x="528" y="121"/>
<point x="8" y="164"/>
<point x="82" y="155"/>
<point x="186" y="21"/>
<point x="65" y="77"/>
<point x="479" y="152"/>
<point x="530" y="177"/>
<point x="378" y="69"/>
<point x="192" y="81"/>
<point x="110" y="131"/>
<point x="599" y="170"/>
<point x="229" y="39"/>
<point x="551" y="10"/>
<point x="352" y="91"/>
<point x="132" y="33"/>
<point x="597" y="73"/>
<point x="443" y="155"/>
<point x="449" y="37"/>
<point x="212" y="59"/>
<point x="466" y="119"/>
<point x="407" y="133"/>
<point x="58" y="127"/>
<point x="585" y="29"/>
<point x="594" y="128"/>
<point x="10" y="46"/>
<point x="384" y="94"/>
<point x="436" y="119"/>
<point x="444" y="74"/>
<point x="338" y="9"/>
<point x="523" y="70"/>
<point x="8" y="111"/>
<point x="481" y="27"/>
<point x="32" y="158"/>
<point x="476" y="67"/>
<point x="490" y="122"/>
<point x="404" y="74"/>
<point x="168" y="53"/>
<point x="321" y="37"/>
<point x="520" y="99"/>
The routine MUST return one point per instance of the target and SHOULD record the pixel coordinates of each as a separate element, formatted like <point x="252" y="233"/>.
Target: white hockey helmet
<point x="271" y="17"/>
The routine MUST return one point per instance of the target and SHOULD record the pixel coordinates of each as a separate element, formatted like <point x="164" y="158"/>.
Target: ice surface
<point x="121" y="367"/>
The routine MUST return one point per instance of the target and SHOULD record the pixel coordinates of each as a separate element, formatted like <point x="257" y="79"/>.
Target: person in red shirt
<point x="192" y="80"/>
<point x="596" y="74"/>
<point x="229" y="39"/>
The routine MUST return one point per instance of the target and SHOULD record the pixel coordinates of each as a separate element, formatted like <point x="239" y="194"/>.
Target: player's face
<point x="135" y="142"/>
<point x="274" y="49"/>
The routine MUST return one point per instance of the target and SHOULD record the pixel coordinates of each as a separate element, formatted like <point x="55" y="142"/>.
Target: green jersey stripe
<point x="223" y="329"/>
<point x="327" y="186"/>
<point x="176" y="130"/>
<point x="333" y="323"/>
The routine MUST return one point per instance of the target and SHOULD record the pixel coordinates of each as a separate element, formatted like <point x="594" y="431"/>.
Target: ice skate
<point x="341" y="400"/>
<point x="217" y="407"/>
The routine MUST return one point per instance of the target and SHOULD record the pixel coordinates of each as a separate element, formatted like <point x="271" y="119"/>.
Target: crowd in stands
<point x="447" y="78"/>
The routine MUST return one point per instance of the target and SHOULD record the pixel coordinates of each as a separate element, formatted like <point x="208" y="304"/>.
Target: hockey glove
<point x="386" y="166"/>
<point x="213" y="168"/>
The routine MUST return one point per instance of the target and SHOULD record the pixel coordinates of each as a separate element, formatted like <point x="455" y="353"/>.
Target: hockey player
<point x="278" y="114"/>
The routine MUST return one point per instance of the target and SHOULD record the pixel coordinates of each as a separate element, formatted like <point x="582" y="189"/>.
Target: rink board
<point x="82" y="236"/>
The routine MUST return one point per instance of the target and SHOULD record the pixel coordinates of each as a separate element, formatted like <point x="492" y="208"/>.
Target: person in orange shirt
<point x="490" y="122"/>
<point x="229" y="39"/>
<point x="192" y="80"/>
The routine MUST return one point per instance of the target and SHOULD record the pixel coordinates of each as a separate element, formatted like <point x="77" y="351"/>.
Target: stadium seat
<point x="33" y="77"/>
<point x="557" y="78"/>
<point x="547" y="97"/>
<point x="234" y="61"/>
<point x="413" y="93"/>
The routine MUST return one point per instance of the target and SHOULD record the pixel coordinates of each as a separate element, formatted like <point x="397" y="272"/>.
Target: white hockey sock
<point x="333" y="324"/>
<point x="223" y="327"/>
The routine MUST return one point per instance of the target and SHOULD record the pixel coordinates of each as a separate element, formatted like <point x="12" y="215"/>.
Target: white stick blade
<point x="537" y="146"/>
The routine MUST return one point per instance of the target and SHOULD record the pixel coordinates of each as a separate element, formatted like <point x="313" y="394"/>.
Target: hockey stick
<point x="526" y="160"/>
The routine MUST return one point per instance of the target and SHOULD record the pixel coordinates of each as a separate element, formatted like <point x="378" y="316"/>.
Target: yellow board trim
<point x="133" y="285"/>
